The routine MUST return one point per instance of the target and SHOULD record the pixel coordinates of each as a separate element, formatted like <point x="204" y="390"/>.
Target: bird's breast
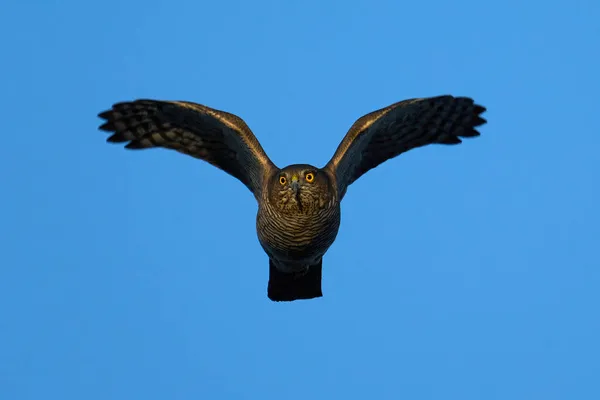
<point x="297" y="237"/>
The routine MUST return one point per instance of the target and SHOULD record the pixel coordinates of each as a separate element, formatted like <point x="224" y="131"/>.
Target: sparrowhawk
<point x="298" y="206"/>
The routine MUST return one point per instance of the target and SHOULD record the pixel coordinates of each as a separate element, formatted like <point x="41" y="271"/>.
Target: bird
<point x="298" y="216"/>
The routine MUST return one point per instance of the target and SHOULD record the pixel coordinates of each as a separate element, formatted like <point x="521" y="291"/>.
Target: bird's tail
<point x="289" y="286"/>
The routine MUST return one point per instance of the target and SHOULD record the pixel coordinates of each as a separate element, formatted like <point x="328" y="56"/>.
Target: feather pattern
<point x="217" y="137"/>
<point x="400" y="127"/>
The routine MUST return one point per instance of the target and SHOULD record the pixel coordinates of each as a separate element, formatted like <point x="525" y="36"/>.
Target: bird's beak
<point x="296" y="189"/>
<point x="295" y="183"/>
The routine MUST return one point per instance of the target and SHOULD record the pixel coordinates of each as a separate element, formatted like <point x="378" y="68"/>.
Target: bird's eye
<point x="282" y="180"/>
<point x="309" y="177"/>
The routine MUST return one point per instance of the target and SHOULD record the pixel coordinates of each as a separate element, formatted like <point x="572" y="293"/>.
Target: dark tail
<point x="290" y="287"/>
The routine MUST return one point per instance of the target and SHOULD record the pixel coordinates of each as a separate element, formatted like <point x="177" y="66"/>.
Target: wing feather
<point x="217" y="137"/>
<point x="400" y="127"/>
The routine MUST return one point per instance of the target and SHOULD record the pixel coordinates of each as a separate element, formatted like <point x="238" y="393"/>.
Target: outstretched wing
<point x="218" y="137"/>
<point x="390" y="131"/>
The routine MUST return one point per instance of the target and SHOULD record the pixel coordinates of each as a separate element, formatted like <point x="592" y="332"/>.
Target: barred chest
<point x="297" y="238"/>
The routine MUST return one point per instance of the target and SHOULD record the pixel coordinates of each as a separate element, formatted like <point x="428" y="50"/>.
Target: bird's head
<point x="300" y="188"/>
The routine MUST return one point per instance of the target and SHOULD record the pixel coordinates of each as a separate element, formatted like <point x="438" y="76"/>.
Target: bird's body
<point x="297" y="230"/>
<point x="299" y="210"/>
<point x="300" y="242"/>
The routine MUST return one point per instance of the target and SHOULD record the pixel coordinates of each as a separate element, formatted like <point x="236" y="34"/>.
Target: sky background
<point x="465" y="272"/>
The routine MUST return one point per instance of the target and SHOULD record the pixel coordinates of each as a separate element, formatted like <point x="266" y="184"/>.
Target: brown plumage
<point x="298" y="206"/>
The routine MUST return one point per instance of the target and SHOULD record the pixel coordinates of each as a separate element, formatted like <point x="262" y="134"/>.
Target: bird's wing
<point x="390" y="131"/>
<point x="218" y="137"/>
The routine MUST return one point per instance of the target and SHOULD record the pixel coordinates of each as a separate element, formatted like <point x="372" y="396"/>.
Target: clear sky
<point x="465" y="272"/>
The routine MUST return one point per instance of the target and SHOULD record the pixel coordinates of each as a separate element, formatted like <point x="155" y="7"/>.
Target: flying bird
<point x="299" y="205"/>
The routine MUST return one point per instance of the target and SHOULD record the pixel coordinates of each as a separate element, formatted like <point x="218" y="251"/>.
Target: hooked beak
<point x="296" y="188"/>
<point x="295" y="184"/>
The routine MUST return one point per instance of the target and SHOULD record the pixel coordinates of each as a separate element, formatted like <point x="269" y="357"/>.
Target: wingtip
<point x="107" y="127"/>
<point x="105" y="114"/>
<point x="479" y="109"/>
<point x="479" y="121"/>
<point x="450" y="140"/>
<point x="138" y="145"/>
<point x="116" y="138"/>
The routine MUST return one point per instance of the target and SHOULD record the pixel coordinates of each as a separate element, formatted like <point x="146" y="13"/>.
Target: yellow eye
<point x="309" y="177"/>
<point x="282" y="180"/>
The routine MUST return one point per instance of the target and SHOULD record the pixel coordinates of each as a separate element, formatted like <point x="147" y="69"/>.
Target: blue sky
<point x="465" y="272"/>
